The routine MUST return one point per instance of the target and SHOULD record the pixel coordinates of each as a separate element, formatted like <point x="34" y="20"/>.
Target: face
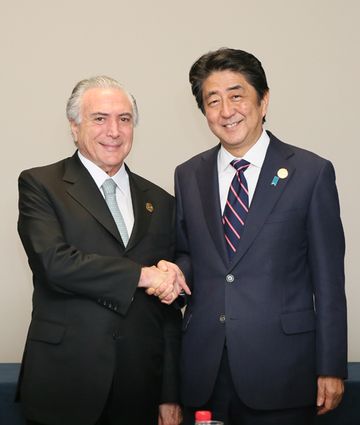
<point x="105" y="132"/>
<point x="233" y="110"/>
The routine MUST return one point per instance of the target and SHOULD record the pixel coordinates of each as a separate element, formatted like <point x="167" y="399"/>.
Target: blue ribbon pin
<point x="275" y="181"/>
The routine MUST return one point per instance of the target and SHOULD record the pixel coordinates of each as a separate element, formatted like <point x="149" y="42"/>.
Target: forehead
<point x="105" y="100"/>
<point x="224" y="80"/>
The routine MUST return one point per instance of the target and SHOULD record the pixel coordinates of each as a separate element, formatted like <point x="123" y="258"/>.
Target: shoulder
<point x="297" y="154"/>
<point x="45" y="172"/>
<point x="289" y="150"/>
<point x="310" y="167"/>
<point x="197" y="160"/>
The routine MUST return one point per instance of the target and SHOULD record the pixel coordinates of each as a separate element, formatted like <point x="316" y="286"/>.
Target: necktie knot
<point x="109" y="187"/>
<point x="240" y="164"/>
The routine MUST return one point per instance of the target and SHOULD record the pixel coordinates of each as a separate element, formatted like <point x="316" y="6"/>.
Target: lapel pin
<point x="275" y="181"/>
<point x="282" y="173"/>
<point x="149" y="206"/>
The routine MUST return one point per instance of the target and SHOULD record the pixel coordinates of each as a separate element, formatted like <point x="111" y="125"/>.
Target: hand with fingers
<point x="166" y="281"/>
<point x="180" y="286"/>
<point x="330" y="393"/>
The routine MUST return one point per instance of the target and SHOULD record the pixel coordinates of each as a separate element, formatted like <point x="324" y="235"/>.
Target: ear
<point x="74" y="130"/>
<point x="265" y="103"/>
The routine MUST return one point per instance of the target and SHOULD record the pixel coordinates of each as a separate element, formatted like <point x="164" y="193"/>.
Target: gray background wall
<point x="310" y="51"/>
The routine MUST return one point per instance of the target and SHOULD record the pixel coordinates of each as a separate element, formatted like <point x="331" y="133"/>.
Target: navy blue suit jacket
<point x="280" y="303"/>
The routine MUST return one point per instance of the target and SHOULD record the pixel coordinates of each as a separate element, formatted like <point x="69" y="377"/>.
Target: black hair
<point x="227" y="59"/>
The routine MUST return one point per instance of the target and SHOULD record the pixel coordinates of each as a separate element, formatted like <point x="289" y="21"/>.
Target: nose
<point x="113" y="129"/>
<point x="227" y="109"/>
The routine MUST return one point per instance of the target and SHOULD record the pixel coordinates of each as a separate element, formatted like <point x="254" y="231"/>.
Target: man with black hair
<point x="261" y="242"/>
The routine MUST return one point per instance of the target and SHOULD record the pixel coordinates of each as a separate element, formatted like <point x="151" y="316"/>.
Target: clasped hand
<point x="165" y="281"/>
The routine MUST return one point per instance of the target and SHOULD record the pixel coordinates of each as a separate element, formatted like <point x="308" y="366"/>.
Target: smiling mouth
<point x="109" y="146"/>
<point x="232" y="124"/>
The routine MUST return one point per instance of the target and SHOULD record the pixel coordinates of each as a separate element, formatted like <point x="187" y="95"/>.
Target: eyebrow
<point x="94" y="114"/>
<point x="105" y="114"/>
<point x="236" y="87"/>
<point x="213" y="92"/>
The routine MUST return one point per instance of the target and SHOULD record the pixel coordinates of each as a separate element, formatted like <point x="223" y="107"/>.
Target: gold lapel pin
<point x="282" y="173"/>
<point x="149" y="206"/>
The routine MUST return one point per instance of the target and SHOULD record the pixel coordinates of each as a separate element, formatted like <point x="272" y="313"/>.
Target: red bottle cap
<point x="203" y="415"/>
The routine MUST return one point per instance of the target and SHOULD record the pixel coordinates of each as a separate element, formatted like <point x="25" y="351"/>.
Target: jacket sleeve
<point x="63" y="267"/>
<point x="182" y="244"/>
<point x="326" y="257"/>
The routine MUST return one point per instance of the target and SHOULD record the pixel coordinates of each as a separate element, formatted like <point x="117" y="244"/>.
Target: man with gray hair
<point x="103" y="342"/>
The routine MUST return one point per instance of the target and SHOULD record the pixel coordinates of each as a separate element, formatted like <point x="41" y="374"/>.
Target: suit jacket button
<point x="222" y="318"/>
<point x="230" y="278"/>
<point x="116" y="335"/>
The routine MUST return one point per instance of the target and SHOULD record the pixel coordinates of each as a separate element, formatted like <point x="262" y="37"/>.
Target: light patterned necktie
<point x="236" y="208"/>
<point x="109" y="187"/>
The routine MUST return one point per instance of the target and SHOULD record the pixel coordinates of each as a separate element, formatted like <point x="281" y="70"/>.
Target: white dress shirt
<point x="123" y="194"/>
<point x="226" y="172"/>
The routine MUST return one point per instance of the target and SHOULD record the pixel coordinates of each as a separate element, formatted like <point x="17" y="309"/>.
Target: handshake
<point x="165" y="280"/>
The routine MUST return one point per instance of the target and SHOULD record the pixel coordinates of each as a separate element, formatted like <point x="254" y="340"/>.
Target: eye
<point x="99" y="119"/>
<point x="126" y="119"/>
<point x="213" y="102"/>
<point x="236" y="97"/>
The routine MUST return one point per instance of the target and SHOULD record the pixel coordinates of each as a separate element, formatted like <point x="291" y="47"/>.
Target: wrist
<point x="145" y="277"/>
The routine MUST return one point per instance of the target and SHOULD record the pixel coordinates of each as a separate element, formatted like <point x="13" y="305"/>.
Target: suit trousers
<point x="119" y="409"/>
<point x="226" y="406"/>
<point x="115" y="413"/>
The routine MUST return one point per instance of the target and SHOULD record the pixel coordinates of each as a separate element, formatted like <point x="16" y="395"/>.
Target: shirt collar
<point x="255" y="155"/>
<point x="121" y="178"/>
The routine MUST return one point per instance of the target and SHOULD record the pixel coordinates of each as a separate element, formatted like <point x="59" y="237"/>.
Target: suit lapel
<point x="84" y="190"/>
<point x="207" y="177"/>
<point x="143" y="207"/>
<point x="266" y="194"/>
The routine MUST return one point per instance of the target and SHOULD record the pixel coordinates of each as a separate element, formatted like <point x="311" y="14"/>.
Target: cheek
<point x="128" y="136"/>
<point x="211" y="120"/>
<point x="92" y="142"/>
<point x="215" y="128"/>
<point x="96" y="133"/>
<point x="126" y="140"/>
<point x="245" y="109"/>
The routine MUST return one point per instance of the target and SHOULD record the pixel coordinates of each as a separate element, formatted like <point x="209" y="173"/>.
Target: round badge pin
<point x="282" y="173"/>
<point x="149" y="206"/>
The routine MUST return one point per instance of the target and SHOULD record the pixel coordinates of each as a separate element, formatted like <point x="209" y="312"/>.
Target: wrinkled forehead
<point x="105" y="100"/>
<point x="100" y="97"/>
<point x="225" y="80"/>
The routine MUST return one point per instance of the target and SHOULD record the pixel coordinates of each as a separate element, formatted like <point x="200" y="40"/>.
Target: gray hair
<point x="74" y="102"/>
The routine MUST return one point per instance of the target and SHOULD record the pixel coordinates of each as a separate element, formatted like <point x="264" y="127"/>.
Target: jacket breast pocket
<point x="43" y="331"/>
<point x="280" y="216"/>
<point x="298" y="322"/>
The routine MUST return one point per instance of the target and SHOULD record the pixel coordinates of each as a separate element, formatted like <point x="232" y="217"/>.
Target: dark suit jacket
<point x="280" y="303"/>
<point x="89" y="319"/>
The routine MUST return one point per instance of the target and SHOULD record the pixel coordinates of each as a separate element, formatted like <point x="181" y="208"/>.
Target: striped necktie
<point x="109" y="188"/>
<point x="236" y="208"/>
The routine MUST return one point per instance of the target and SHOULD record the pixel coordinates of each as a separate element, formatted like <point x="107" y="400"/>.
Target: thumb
<point x="162" y="265"/>
<point x="320" y="394"/>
